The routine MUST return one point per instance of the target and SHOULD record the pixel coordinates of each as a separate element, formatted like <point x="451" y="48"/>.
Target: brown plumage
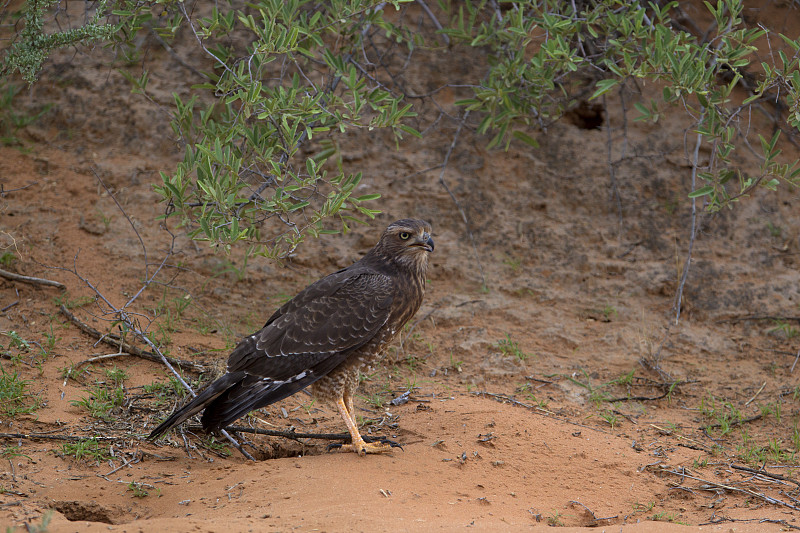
<point x="324" y="336"/>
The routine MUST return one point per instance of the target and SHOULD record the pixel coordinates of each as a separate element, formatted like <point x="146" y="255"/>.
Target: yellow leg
<point x="345" y="406"/>
<point x="347" y="396"/>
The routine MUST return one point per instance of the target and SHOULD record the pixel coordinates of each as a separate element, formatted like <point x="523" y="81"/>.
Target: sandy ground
<point x="542" y="399"/>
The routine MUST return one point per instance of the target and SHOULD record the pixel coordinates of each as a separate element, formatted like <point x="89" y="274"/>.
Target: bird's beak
<point x="425" y="242"/>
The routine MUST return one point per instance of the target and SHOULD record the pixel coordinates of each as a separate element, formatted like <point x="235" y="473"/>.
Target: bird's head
<point x="408" y="243"/>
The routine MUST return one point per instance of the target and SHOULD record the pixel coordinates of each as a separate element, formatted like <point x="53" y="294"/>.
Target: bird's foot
<point x="383" y="440"/>
<point x="367" y="445"/>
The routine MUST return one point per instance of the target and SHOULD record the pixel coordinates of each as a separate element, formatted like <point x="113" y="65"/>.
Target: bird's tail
<point x="249" y="394"/>
<point x="200" y="402"/>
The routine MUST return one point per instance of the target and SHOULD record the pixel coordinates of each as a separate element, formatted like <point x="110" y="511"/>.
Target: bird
<point x="325" y="337"/>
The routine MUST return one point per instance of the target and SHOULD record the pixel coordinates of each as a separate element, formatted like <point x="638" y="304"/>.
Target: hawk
<point x="324" y="337"/>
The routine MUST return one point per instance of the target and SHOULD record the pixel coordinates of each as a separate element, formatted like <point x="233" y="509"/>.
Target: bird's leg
<point x="358" y="444"/>
<point x="347" y="396"/>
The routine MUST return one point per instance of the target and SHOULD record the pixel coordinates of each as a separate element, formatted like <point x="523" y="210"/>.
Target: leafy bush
<point x="548" y="56"/>
<point x="285" y="79"/>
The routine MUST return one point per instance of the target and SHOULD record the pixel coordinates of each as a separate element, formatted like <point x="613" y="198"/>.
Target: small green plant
<point x="230" y="267"/>
<point x="75" y="371"/>
<point x="610" y="417"/>
<point x="116" y="375"/>
<point x="42" y="527"/>
<point x="211" y="443"/>
<point x="16" y="342"/>
<point x="725" y="413"/>
<point x="86" y="449"/>
<point x="774" y="230"/>
<point x="554" y="520"/>
<point x="50" y="341"/>
<point x="14" y="118"/>
<point x="624" y="380"/>
<point x="665" y="517"/>
<point x="13" y="451"/>
<point x="7" y="259"/>
<point x="376" y="399"/>
<point x="510" y="347"/>
<point x="643" y="508"/>
<point x="455" y="364"/>
<point x="413" y="362"/>
<point x="776" y="452"/>
<point x="170" y="388"/>
<point x="512" y="263"/>
<point x="101" y="401"/>
<point x="14" y="396"/>
<point x="754" y="455"/>
<point x="795" y="437"/>
<point x="308" y="406"/>
<point x="542" y="404"/>
<point x="596" y="394"/>
<point x="781" y="326"/>
<point x="609" y="310"/>
<point x="140" y="490"/>
<point x="526" y="389"/>
<point x="72" y="303"/>
<point x="106" y="220"/>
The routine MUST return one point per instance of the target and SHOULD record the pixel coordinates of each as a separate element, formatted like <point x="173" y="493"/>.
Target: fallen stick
<point x="288" y="434"/>
<point x="765" y="474"/>
<point x="713" y="484"/>
<point x="31" y="280"/>
<point x="49" y="436"/>
<point x="735" y="422"/>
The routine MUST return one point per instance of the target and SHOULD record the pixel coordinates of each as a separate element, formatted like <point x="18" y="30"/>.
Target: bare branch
<point x="453" y="196"/>
<point x="693" y="232"/>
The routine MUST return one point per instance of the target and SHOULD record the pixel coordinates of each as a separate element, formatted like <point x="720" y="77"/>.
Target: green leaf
<point x="524" y="137"/>
<point x="368" y="197"/>
<point x="410" y="130"/>
<point x="603" y="86"/>
<point x="702" y="191"/>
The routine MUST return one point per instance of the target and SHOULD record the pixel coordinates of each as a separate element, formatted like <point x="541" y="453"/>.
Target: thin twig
<point x="713" y="484"/>
<point x="287" y="434"/>
<point x="433" y="18"/>
<point x="736" y="319"/>
<point x="237" y="445"/>
<point x="31" y="280"/>
<point x="680" y="437"/>
<point x="611" y="170"/>
<point x="453" y="196"/>
<point x="116" y="341"/>
<point x="138" y="236"/>
<point x="638" y="398"/>
<point x="133" y="460"/>
<point x="47" y="436"/>
<point x="756" y="394"/>
<point x="765" y="473"/>
<point x="594" y="517"/>
<point x="175" y="55"/>
<point x="502" y="398"/>
<point x="693" y="232"/>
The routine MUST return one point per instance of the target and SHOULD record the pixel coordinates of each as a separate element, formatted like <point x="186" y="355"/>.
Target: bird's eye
<point x="405" y="235"/>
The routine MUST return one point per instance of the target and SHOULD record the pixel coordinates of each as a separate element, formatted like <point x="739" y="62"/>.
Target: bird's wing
<point x="335" y="315"/>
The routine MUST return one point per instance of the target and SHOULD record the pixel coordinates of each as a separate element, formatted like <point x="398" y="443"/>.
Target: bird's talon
<point x="383" y="440"/>
<point x="333" y="446"/>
